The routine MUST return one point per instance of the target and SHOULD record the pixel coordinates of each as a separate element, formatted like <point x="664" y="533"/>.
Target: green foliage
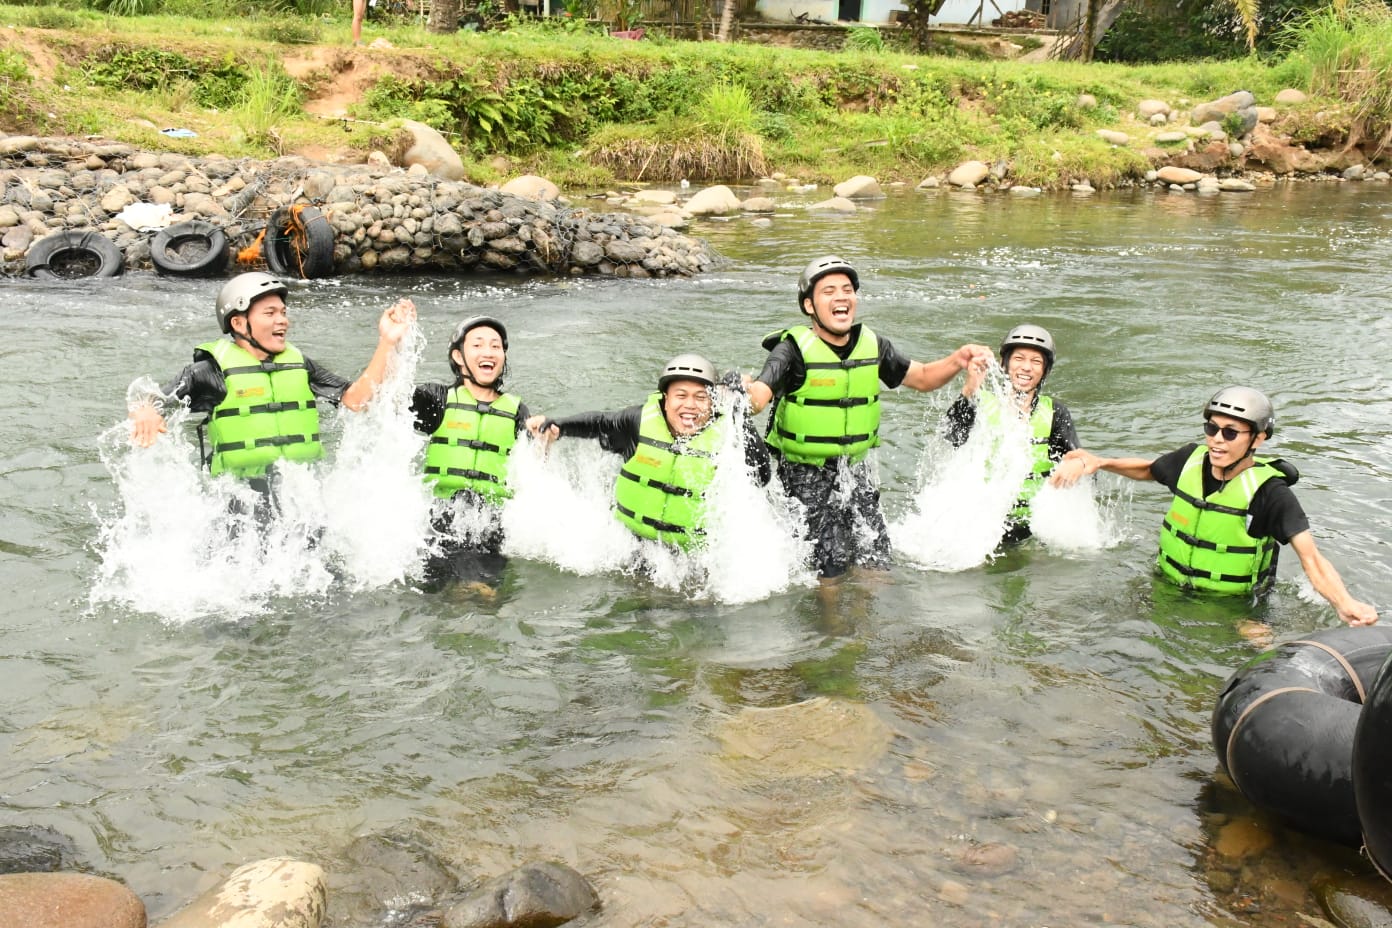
<point x="217" y="84"/>
<point x="126" y="7"/>
<point x="520" y="116"/>
<point x="864" y="39"/>
<point x="728" y="112"/>
<point x="268" y="97"/>
<point x="50" y="17"/>
<point x="286" y="30"/>
<point x="1347" y="54"/>
<point x="14" y="68"/>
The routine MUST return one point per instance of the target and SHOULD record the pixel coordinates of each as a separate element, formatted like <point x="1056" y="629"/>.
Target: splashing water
<point x="756" y="550"/>
<point x="183" y="545"/>
<point x="960" y="510"/>
<point x="1072" y="519"/>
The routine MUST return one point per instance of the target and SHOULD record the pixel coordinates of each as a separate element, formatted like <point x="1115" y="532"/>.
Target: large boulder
<point x="713" y="201"/>
<point x="1241" y="103"/>
<point x="428" y="148"/>
<point x="67" y="900"/>
<point x="1170" y="174"/>
<point x="860" y="187"/>
<point x="969" y="174"/>
<point x="273" y="893"/>
<point x="532" y="187"/>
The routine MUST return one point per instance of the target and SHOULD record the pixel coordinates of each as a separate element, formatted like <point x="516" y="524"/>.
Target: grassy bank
<point x="588" y="110"/>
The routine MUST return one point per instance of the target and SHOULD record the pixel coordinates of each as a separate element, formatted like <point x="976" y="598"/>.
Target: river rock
<point x="758" y="205"/>
<point x="1356" y="902"/>
<point x="390" y="872"/>
<point x="1241" y="103"/>
<point x="991" y="859"/>
<point x="1113" y="137"/>
<point x="429" y="149"/>
<point x="67" y="900"/>
<point x="1290" y="96"/>
<point x="532" y="187"/>
<point x="1149" y="108"/>
<point x="34" y="850"/>
<point x="1266" y="114"/>
<point x="1236" y="185"/>
<point x="1170" y="138"/>
<point x="1277" y="155"/>
<point x="1243" y="837"/>
<point x="17" y="144"/>
<point x="1159" y="119"/>
<point x="273" y="893"/>
<point x="834" y="205"/>
<point x="659" y="197"/>
<point x="860" y="187"/>
<point x="1086" y="101"/>
<point x="713" y="201"/>
<point x="536" y="895"/>
<point x="1170" y="174"/>
<point x="969" y="174"/>
<point x="816" y="737"/>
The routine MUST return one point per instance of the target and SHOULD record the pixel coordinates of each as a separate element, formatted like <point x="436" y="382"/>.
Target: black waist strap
<point x="287" y="406"/>
<point x="1210" y="545"/>
<point x="844" y="402"/>
<point x="466" y="472"/>
<point x="1206" y="506"/>
<point x="1188" y="571"/>
<point x="659" y="524"/>
<point x="270" y="442"/>
<point x="465" y="443"/>
<point x="824" y="439"/>
<point x="667" y="488"/>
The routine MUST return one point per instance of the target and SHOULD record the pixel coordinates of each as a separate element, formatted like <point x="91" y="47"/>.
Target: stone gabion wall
<point x="383" y="219"/>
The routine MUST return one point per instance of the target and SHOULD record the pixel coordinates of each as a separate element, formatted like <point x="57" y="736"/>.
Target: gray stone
<point x="1149" y="108"/>
<point x="431" y="152"/>
<point x="860" y="187"/>
<point x="713" y="201"/>
<point x="1290" y="96"/>
<point x="969" y="174"/>
<point x="1112" y="137"/>
<point x="537" y="895"/>
<point x="835" y="205"/>
<point x="1170" y="174"/>
<point x="758" y="205"/>
<point x="586" y="254"/>
<point x="532" y="187"/>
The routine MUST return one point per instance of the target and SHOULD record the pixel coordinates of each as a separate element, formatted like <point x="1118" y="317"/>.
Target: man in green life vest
<point x="1027" y="356"/>
<point x="1231" y="508"/>
<point x="473" y="426"/>
<point x="259" y="391"/>
<point x="825" y="377"/>
<point x="669" y="445"/>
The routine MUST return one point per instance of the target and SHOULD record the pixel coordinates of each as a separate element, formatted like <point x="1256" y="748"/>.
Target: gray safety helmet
<point x="1029" y="336"/>
<point x="467" y="326"/>
<point x="1246" y="404"/>
<point x="687" y="367"/>
<point x="818" y="269"/>
<point x="237" y="295"/>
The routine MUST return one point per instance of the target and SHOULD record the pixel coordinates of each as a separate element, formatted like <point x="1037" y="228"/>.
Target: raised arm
<point x="392" y="327"/>
<point x="1132" y="468"/>
<point x="931" y="375"/>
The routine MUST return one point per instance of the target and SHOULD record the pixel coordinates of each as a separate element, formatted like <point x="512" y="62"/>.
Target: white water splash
<point x="959" y="512"/>
<point x="1072" y="519"/>
<point x="562" y="512"/>
<point x="183" y="545"/>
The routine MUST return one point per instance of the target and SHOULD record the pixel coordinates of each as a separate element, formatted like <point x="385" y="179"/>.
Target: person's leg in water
<point x="824" y="512"/>
<point x="470" y="535"/>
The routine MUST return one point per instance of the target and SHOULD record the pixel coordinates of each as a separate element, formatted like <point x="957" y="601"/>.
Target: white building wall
<point x="878" y="11"/>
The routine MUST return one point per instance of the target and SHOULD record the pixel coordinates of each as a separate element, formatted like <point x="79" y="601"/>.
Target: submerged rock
<point x="536" y="895"/>
<point x="67" y="900"/>
<point x="816" y="737"/>
<point x="277" y="892"/>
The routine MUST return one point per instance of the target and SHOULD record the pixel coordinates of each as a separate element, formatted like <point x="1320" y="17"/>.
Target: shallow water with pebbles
<point x="1017" y="741"/>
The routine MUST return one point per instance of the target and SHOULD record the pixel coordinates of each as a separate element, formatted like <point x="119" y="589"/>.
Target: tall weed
<point x="1347" y="53"/>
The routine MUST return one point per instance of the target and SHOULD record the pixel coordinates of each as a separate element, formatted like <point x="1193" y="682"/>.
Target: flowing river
<point x="1021" y="740"/>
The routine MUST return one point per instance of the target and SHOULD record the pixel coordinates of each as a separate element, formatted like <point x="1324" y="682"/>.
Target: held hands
<point x="146" y="425"/>
<point x="543" y="429"/>
<point x="969" y="357"/>
<point x="1075" y="465"/>
<point x="976" y="375"/>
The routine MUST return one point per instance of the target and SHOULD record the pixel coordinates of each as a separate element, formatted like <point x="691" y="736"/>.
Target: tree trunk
<point x="444" y="16"/>
<point x="727" y="20"/>
<point x="1089" y="30"/>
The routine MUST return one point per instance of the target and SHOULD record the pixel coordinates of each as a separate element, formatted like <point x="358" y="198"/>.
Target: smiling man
<point x="259" y="391"/>
<point x="669" y="445"/>
<point x="1231" y="508"/>
<point x="1027" y="354"/>
<point x="824" y="378"/>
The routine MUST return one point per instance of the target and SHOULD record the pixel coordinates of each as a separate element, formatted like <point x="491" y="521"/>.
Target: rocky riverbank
<point x="384" y="218"/>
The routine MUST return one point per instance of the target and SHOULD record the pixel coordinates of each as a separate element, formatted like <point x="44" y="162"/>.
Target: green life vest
<point x="658" y="493"/>
<point x="1041" y="423"/>
<point x="268" y="413"/>
<point x="836" y="411"/>
<point x="1204" y="543"/>
<point x="469" y="451"/>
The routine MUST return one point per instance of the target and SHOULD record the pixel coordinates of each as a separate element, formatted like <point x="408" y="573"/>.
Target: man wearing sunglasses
<point x="1231" y="508"/>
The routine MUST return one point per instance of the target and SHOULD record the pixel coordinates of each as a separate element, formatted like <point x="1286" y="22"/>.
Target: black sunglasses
<point x="1229" y="433"/>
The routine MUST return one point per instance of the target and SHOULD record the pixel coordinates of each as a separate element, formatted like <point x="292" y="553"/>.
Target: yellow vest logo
<point x="251" y="391"/>
<point x="821" y="381"/>
<point x="460" y="425"/>
<point x="645" y="459"/>
<point x="1182" y="520"/>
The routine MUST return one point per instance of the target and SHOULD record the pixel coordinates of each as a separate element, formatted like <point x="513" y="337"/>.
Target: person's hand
<point x="396" y="321"/>
<point x="543" y="429"/>
<point x="976" y="375"/>
<point x="1358" y="614"/>
<point x="970" y="355"/>
<point x="735" y="382"/>
<point x="1068" y="471"/>
<point x="146" y="425"/>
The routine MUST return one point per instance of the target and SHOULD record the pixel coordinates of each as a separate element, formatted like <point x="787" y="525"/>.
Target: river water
<point x="1018" y="741"/>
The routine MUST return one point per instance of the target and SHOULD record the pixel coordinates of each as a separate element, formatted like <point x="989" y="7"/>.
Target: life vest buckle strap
<point x="845" y="402"/>
<point x="1188" y="571"/>
<point x="667" y="488"/>
<point x="658" y="524"/>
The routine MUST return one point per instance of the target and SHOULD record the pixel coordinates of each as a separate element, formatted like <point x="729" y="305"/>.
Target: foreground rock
<point x="274" y="893"/>
<point x="67" y="900"/>
<point x="383" y="219"/>
<point x="537" y="895"/>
